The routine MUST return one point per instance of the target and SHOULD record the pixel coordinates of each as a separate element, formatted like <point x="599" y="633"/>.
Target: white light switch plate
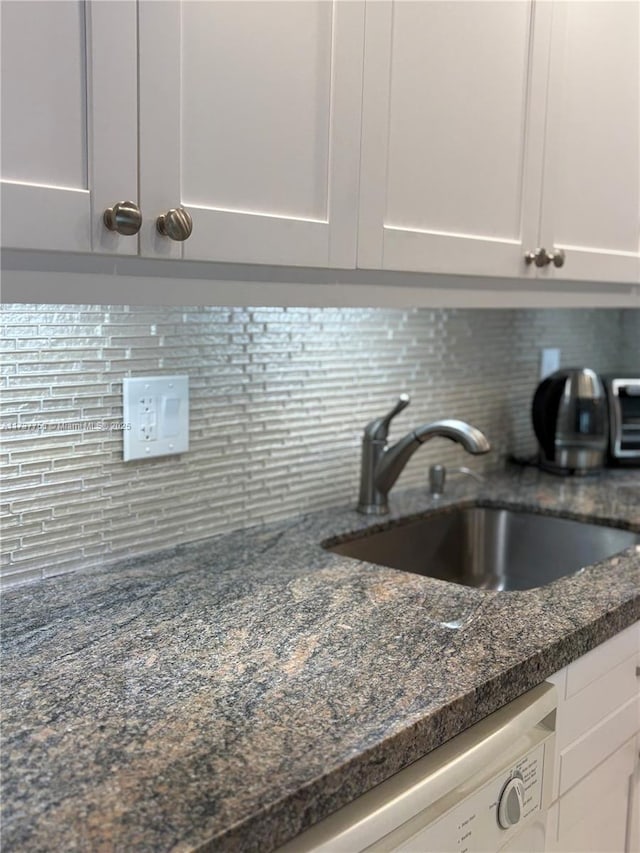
<point x="549" y="361"/>
<point x="156" y="416"/>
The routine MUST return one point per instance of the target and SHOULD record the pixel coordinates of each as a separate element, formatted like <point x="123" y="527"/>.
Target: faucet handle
<point x="378" y="429"/>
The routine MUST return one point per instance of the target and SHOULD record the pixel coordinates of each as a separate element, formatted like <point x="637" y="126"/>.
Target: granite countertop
<point x="227" y="694"/>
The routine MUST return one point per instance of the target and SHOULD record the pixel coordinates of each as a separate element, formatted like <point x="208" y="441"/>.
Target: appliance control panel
<point x="491" y="816"/>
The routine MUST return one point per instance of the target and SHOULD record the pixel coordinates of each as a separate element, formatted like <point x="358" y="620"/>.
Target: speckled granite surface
<point x="227" y="694"/>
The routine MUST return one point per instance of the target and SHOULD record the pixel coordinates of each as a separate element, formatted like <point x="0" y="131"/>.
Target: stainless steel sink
<point x="488" y="547"/>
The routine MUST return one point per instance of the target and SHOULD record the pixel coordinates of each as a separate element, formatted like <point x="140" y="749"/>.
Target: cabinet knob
<point x="123" y="218"/>
<point x="556" y="258"/>
<point x="176" y="224"/>
<point x="539" y="257"/>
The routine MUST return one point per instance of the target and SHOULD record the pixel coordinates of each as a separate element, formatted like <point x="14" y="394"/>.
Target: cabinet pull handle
<point x="638" y="672"/>
<point x="176" y="224"/>
<point x="557" y="258"/>
<point x="539" y="257"/>
<point x="123" y="218"/>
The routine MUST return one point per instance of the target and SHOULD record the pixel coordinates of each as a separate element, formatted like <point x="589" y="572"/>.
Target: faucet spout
<point x="392" y="463"/>
<point x="468" y="436"/>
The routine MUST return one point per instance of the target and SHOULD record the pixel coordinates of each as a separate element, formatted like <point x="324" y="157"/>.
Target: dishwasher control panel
<point x="490" y="816"/>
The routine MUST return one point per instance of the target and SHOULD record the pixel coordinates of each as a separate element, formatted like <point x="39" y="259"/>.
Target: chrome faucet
<point x="382" y="465"/>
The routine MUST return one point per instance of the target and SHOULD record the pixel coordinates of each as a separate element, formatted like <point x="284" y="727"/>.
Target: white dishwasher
<point x="487" y="789"/>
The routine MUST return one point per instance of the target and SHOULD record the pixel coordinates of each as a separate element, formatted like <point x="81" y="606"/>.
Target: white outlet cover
<point x="156" y="416"/>
<point x="549" y="361"/>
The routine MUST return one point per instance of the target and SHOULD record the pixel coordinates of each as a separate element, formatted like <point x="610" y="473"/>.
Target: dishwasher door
<point x="485" y="790"/>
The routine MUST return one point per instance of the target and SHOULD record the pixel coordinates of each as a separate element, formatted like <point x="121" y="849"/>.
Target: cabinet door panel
<point x="591" y="200"/>
<point x="594" y="814"/>
<point x="68" y="122"/>
<point x="257" y="138"/>
<point x="44" y="134"/>
<point x="599" y="661"/>
<point x="633" y="822"/>
<point x="261" y="125"/>
<point x="45" y="199"/>
<point x="443" y="189"/>
<point x="577" y="759"/>
<point x="611" y="691"/>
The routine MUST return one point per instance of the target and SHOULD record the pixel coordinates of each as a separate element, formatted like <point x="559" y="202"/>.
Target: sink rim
<point x="477" y="503"/>
<point x="514" y="507"/>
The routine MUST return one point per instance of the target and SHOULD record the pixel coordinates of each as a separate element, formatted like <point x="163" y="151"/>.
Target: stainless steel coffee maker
<point x="569" y="413"/>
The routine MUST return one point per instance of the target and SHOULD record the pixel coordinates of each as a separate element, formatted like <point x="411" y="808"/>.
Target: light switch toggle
<point x="170" y="416"/>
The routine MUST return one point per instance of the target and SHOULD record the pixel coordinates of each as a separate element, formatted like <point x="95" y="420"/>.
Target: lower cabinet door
<point x="596" y="814"/>
<point x="633" y="822"/>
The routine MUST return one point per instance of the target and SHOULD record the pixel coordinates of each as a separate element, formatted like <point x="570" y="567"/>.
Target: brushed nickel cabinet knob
<point x="123" y="218"/>
<point x="176" y="224"/>
<point x="557" y="258"/>
<point x="539" y="257"/>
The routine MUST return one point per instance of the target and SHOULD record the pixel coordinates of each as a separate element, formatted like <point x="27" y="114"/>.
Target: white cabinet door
<point x="453" y="121"/>
<point x="596" y="763"/>
<point x="633" y="823"/>
<point x="69" y="118"/>
<point x="595" y="814"/>
<point x="591" y="198"/>
<point x="250" y="119"/>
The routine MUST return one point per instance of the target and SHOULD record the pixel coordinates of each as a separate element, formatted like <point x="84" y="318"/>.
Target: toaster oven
<point x="624" y="419"/>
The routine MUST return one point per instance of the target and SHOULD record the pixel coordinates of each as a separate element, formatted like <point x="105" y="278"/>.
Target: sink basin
<point x="489" y="547"/>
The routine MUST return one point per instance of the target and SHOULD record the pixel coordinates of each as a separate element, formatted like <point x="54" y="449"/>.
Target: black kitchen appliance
<point x="570" y="420"/>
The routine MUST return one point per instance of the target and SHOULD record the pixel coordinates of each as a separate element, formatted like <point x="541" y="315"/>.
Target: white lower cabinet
<point x="593" y="815"/>
<point x="633" y="822"/>
<point x="596" y="788"/>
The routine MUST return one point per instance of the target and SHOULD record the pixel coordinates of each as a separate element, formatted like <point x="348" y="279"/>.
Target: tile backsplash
<point x="279" y="398"/>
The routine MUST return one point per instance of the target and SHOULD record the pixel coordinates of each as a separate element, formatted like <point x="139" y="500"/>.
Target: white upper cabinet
<point x="69" y="114"/>
<point x="467" y="137"/>
<point x="492" y="129"/>
<point x="452" y="123"/>
<point x="250" y="120"/>
<point x="591" y="202"/>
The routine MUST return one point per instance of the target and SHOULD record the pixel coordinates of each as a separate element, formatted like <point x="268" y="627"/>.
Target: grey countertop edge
<point x="283" y="820"/>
